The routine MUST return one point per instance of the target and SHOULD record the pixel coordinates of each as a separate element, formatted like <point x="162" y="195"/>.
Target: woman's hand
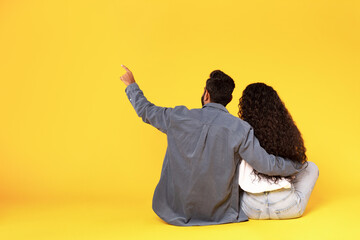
<point x="128" y="77"/>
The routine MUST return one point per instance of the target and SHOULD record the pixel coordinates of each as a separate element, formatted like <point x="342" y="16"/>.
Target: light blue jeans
<point x="283" y="203"/>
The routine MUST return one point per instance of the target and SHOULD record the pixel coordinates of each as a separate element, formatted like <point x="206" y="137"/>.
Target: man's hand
<point x="128" y="77"/>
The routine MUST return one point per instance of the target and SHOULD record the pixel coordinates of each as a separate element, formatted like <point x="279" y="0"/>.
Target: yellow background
<point x="77" y="163"/>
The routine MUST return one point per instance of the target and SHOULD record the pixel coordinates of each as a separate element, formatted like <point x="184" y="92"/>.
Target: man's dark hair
<point x="220" y="87"/>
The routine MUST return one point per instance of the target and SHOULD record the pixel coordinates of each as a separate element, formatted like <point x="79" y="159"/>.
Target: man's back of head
<point x="220" y="87"/>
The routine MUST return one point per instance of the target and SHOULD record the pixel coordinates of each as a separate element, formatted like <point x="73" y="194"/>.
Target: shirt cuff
<point x="131" y="90"/>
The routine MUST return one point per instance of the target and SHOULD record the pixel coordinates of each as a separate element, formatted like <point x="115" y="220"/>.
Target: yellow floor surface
<point x="327" y="219"/>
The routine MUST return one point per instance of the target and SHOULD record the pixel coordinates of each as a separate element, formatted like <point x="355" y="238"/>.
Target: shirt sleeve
<point x="159" y="117"/>
<point x="265" y="163"/>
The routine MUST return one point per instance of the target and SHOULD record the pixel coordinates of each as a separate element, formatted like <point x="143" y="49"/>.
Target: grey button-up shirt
<point x="199" y="177"/>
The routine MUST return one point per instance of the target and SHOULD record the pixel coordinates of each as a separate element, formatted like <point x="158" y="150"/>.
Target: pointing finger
<point x="126" y="68"/>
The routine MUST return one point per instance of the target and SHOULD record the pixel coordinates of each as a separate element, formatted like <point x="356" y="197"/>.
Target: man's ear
<point x="207" y="96"/>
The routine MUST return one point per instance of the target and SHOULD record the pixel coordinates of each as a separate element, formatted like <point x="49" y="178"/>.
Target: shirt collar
<point x="217" y="106"/>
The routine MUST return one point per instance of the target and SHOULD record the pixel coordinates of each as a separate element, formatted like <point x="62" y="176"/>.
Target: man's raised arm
<point x="154" y="115"/>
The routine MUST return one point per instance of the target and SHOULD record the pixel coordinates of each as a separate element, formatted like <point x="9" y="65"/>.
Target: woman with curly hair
<point x="274" y="197"/>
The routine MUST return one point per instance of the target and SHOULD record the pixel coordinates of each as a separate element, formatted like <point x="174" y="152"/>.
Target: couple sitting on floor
<point x="219" y="168"/>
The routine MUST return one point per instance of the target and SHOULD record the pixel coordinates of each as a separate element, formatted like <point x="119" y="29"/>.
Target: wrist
<point x="129" y="83"/>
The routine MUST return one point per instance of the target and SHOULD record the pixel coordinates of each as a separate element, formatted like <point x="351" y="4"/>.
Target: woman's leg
<point x="304" y="183"/>
<point x="295" y="205"/>
<point x="283" y="203"/>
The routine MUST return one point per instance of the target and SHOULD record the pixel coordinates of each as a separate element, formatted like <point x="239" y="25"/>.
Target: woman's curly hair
<point x="262" y="108"/>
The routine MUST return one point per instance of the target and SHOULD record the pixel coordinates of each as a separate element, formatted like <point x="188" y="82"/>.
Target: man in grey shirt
<point x="199" y="178"/>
